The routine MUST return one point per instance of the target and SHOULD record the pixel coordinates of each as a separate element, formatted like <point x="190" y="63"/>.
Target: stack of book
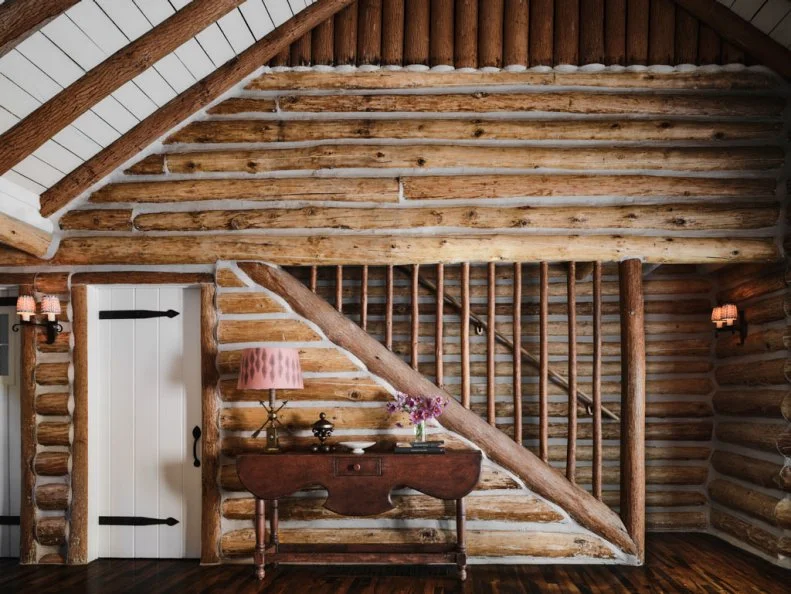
<point x="420" y="447"/>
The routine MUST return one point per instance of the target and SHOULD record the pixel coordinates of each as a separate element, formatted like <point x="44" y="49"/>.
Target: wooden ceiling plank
<point x="19" y="19"/>
<point x="185" y="104"/>
<point x="24" y="236"/>
<point x="741" y="33"/>
<point x="96" y="84"/>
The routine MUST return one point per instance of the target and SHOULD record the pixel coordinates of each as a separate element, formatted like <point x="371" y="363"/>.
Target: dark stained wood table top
<point x="360" y="484"/>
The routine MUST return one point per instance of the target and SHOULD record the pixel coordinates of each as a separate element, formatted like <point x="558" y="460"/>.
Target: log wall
<point x="489" y="33"/>
<point x="310" y="167"/>
<point x="679" y="417"/>
<point x="501" y="511"/>
<point x="750" y="483"/>
<point x="47" y="436"/>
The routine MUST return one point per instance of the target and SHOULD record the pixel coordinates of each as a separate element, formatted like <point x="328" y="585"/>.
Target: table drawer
<point x="358" y="466"/>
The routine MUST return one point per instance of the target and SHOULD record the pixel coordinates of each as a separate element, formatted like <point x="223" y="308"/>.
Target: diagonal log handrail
<point x="527" y="356"/>
<point x="537" y="476"/>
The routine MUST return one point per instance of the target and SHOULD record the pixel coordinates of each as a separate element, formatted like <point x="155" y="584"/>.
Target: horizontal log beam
<point x="24" y="236"/>
<point x="484" y="543"/>
<point x="505" y="508"/>
<point x="187" y="103"/>
<point x="755" y="403"/>
<point x="247" y="303"/>
<point x="515" y="186"/>
<point x="252" y="130"/>
<point x="314" y="360"/>
<point x="403" y="79"/>
<point x="52" y="464"/>
<point x="104" y="219"/>
<point x="676" y="217"/>
<point x="754" y="503"/>
<point x="51" y="531"/>
<point x="760" y="436"/>
<point x="52" y="496"/>
<point x="554" y="102"/>
<point x="770" y="372"/>
<point x="106" y="77"/>
<point x="384" y="156"/>
<point x="325" y="189"/>
<point x="754" y="470"/>
<point x="141" y="277"/>
<point x="377" y="249"/>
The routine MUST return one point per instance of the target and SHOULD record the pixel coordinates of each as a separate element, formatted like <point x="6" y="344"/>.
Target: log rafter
<point x="19" y="19"/>
<point x="96" y="84"/>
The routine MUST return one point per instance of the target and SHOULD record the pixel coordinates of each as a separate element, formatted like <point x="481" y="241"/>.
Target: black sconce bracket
<point x="739" y="326"/>
<point x="53" y="328"/>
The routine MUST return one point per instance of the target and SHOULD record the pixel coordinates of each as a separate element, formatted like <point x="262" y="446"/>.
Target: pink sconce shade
<point x="268" y="367"/>
<point x="26" y="307"/>
<point x="50" y="306"/>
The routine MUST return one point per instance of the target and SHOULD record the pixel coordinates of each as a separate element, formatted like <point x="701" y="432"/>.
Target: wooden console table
<point x="358" y="485"/>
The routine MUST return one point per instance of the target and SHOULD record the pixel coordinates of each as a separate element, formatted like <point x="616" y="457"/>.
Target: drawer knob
<point x="356" y="467"/>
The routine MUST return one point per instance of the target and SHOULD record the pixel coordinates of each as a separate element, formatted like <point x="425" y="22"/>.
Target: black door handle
<point x="196" y="433"/>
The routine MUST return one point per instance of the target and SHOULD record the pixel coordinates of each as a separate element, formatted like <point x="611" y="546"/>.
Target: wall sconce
<point x="728" y="318"/>
<point x="50" y="307"/>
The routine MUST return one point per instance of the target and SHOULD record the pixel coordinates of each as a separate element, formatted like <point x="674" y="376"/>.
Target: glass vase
<point x="420" y="431"/>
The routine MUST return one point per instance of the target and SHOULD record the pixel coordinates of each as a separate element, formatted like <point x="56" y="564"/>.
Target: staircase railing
<point x="632" y="415"/>
<point x="537" y="475"/>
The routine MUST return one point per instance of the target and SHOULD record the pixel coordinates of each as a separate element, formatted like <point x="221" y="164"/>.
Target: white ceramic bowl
<point x="358" y="447"/>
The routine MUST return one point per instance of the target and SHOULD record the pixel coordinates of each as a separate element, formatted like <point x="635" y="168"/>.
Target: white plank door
<point x="145" y="402"/>
<point x="10" y="455"/>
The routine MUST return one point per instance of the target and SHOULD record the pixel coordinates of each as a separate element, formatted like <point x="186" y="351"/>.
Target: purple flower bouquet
<point x="419" y="408"/>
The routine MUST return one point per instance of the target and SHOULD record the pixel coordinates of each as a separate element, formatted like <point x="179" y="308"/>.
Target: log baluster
<point x="314" y="278"/>
<point x="389" y="308"/>
<point x="571" y="443"/>
<point x="517" y="352"/>
<point x="364" y="298"/>
<point x="543" y="371"/>
<point x="339" y="288"/>
<point x="597" y="429"/>
<point x="465" y="334"/>
<point x="490" y="370"/>
<point x="439" y="351"/>
<point x="415" y="296"/>
<point x="633" y="402"/>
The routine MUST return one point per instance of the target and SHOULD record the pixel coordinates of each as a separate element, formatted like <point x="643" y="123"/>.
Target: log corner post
<point x="633" y="402"/>
<point x="210" y="448"/>
<point x="28" y="550"/>
<point x="78" y="534"/>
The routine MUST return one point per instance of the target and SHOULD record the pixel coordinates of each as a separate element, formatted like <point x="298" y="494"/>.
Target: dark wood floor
<point x="675" y="563"/>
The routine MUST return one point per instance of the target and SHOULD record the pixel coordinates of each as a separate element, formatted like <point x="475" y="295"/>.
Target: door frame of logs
<point x="77" y="549"/>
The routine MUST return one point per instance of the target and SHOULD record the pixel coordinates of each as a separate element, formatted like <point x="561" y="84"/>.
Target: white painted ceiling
<point x="84" y="36"/>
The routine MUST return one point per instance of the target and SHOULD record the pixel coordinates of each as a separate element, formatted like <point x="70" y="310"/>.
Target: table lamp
<point x="270" y="368"/>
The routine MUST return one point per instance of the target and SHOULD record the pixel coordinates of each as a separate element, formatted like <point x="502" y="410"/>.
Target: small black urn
<point x="322" y="429"/>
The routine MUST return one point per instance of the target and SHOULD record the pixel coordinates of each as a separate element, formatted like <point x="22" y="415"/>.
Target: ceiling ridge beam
<point x="187" y="103"/>
<point x="19" y="19"/>
<point x="131" y="60"/>
<point x="741" y="33"/>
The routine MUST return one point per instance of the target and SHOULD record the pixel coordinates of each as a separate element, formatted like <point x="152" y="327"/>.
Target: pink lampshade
<point x="268" y="367"/>
<point x="26" y="307"/>
<point x="50" y="306"/>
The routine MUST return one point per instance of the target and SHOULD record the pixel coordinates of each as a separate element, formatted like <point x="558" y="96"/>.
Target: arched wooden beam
<point x="108" y="76"/>
<point x="176" y="110"/>
<point x="19" y="19"/>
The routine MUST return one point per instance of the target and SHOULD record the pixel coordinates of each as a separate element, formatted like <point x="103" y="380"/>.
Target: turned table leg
<point x="461" y="549"/>
<point x="260" y="544"/>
